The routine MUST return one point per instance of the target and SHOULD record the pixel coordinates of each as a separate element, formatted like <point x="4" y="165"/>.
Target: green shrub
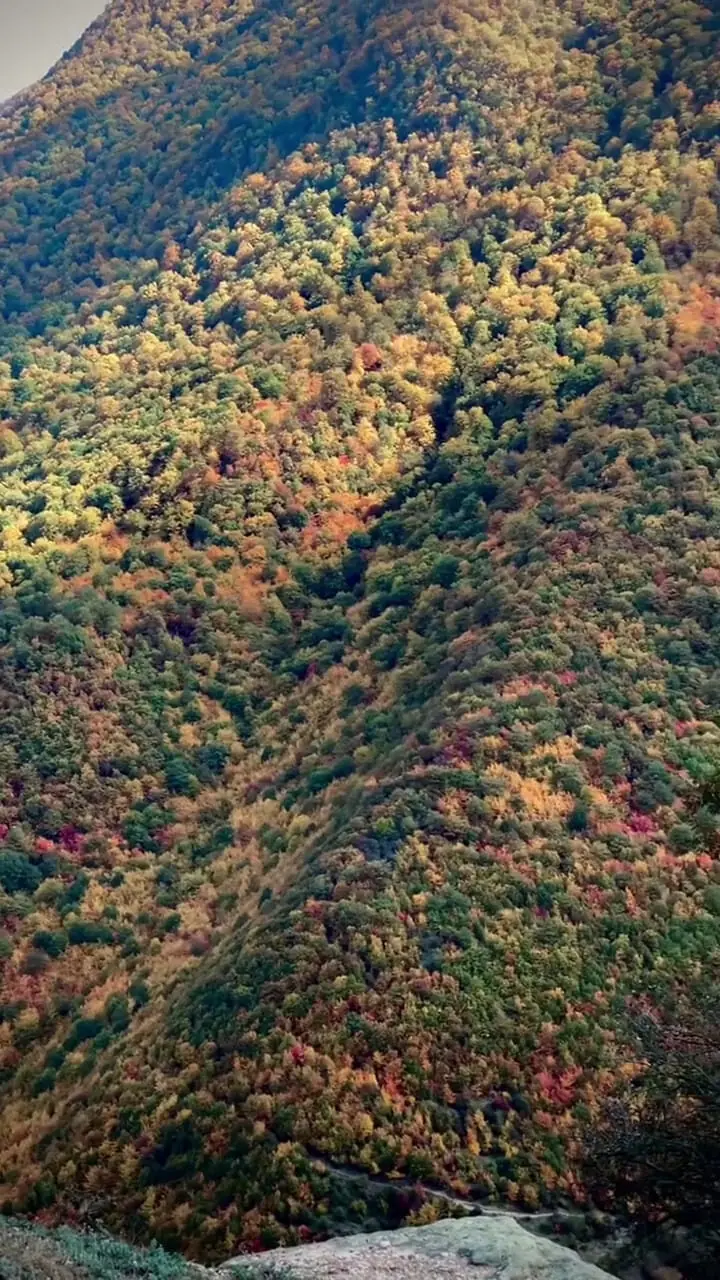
<point x="88" y="931"/>
<point x="17" y="872"/>
<point x="84" y="1029"/>
<point x="52" y="943"/>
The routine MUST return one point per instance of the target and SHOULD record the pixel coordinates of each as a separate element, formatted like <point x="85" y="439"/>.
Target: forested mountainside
<point x="360" y="626"/>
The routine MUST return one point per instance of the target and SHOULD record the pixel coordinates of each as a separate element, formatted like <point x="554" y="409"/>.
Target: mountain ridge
<point x="359" y="571"/>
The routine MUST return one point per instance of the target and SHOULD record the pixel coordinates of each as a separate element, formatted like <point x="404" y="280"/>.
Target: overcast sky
<point x="35" y="33"/>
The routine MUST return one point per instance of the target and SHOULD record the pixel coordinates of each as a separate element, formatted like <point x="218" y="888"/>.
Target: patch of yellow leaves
<point x="562" y="749"/>
<point x="538" y="797"/>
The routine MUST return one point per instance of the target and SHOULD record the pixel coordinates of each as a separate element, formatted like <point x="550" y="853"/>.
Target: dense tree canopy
<point x="360" y="627"/>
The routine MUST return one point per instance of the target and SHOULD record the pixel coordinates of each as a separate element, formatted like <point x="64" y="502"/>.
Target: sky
<point x="35" y="33"/>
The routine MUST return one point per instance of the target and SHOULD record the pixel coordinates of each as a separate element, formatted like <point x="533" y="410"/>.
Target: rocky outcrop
<point x="473" y="1248"/>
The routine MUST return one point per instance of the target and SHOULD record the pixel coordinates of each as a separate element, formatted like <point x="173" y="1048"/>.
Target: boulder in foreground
<point x="479" y="1248"/>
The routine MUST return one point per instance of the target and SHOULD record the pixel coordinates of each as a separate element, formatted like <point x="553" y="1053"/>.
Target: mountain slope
<point x="162" y="107"/>
<point x="358" y="547"/>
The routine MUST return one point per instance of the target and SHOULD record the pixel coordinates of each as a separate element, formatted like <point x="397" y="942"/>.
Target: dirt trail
<point x="384" y="1182"/>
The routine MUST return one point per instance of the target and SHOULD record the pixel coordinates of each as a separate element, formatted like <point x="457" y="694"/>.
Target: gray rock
<point x="473" y="1248"/>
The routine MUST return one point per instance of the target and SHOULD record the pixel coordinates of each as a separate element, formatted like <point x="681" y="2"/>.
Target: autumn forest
<point x="360" y="600"/>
